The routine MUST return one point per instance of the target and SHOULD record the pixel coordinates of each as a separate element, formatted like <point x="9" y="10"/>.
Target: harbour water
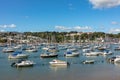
<point x="42" y="70"/>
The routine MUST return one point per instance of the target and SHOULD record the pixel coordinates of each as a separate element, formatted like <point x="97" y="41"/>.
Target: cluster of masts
<point x="51" y="51"/>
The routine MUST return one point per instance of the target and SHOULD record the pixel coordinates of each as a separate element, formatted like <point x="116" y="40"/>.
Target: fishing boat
<point x="17" y="55"/>
<point x="48" y="55"/>
<point x="23" y="63"/>
<point x="56" y="62"/>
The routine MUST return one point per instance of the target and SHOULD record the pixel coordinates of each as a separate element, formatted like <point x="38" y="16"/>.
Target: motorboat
<point x="31" y="49"/>
<point x="45" y="48"/>
<point x="86" y="50"/>
<point x="48" y="55"/>
<point x="70" y="53"/>
<point x="88" y="62"/>
<point x="17" y="46"/>
<point x="107" y="52"/>
<point x="92" y="53"/>
<point x="62" y="47"/>
<point x="56" y="62"/>
<point x="18" y="55"/>
<point x="117" y="59"/>
<point x="72" y="49"/>
<point x="8" y="49"/>
<point x="117" y="48"/>
<point x="102" y="48"/>
<point x="23" y="63"/>
<point x="114" y="59"/>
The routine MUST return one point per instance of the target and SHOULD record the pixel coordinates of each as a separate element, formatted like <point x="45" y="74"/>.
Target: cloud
<point x="115" y="30"/>
<point x="114" y="23"/>
<point x="12" y="26"/>
<point x="76" y="28"/>
<point x="70" y="6"/>
<point x="104" y="3"/>
<point x="26" y="17"/>
<point x="62" y="28"/>
<point x="2" y="30"/>
<point x="82" y="28"/>
<point x="8" y="26"/>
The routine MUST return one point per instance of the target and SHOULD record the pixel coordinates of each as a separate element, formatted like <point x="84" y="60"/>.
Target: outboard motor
<point x="13" y="64"/>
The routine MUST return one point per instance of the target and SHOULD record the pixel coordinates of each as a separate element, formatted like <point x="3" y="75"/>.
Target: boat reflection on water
<point x="58" y="68"/>
<point x="22" y="69"/>
<point x="58" y="64"/>
<point x="117" y="64"/>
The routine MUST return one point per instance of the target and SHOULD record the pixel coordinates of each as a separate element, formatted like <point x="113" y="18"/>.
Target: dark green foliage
<point x="60" y="37"/>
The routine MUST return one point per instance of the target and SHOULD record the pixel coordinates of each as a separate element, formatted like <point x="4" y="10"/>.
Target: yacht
<point x="8" y="49"/>
<point x="48" y="55"/>
<point x="70" y="53"/>
<point x="117" y="48"/>
<point x="23" y="63"/>
<point x="31" y="49"/>
<point x="17" y="55"/>
<point x="107" y="52"/>
<point x="88" y="62"/>
<point x="17" y="46"/>
<point x="92" y="53"/>
<point x="114" y="59"/>
<point x="56" y="62"/>
<point x="117" y="59"/>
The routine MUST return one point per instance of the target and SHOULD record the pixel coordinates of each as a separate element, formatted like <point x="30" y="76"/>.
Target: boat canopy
<point x="16" y="53"/>
<point x="107" y="51"/>
<point x="69" y="52"/>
